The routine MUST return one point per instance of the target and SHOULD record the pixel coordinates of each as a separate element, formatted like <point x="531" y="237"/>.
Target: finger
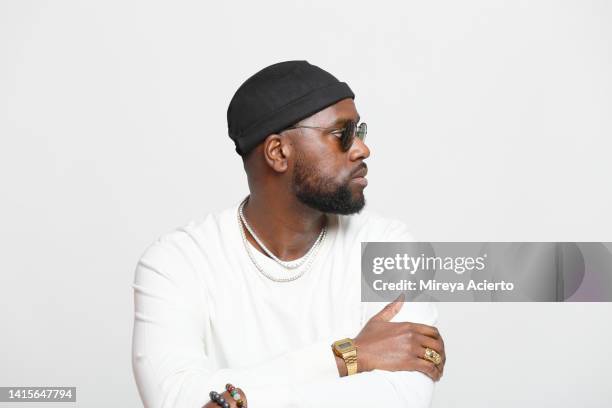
<point x="239" y="390"/>
<point x="443" y="363"/>
<point x="434" y="344"/>
<point x="440" y="366"/>
<point x="438" y="372"/>
<point x="428" y="368"/>
<point x="423" y="329"/>
<point x="389" y="311"/>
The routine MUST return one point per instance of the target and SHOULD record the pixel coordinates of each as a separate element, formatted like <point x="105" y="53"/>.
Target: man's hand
<point x="389" y="346"/>
<point x="228" y="398"/>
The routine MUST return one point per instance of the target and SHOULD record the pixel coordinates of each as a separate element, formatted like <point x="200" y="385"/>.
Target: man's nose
<point x="359" y="150"/>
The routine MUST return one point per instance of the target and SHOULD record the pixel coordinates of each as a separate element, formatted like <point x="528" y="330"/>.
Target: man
<point x="257" y="295"/>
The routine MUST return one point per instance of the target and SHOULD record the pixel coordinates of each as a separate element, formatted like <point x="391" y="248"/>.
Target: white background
<point x="489" y="120"/>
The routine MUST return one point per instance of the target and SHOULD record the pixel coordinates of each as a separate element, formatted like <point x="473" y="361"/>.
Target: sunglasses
<point x="346" y="135"/>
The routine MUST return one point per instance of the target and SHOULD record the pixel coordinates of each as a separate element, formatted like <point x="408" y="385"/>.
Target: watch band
<point x="347" y="350"/>
<point x="350" y="359"/>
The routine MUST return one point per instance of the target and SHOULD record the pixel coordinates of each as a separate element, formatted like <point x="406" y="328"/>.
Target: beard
<point x="323" y="193"/>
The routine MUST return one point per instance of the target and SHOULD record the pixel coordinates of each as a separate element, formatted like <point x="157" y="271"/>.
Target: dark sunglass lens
<point x="347" y="135"/>
<point x="362" y="130"/>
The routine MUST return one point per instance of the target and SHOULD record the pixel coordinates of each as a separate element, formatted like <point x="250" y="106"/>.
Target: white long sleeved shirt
<point x="205" y="316"/>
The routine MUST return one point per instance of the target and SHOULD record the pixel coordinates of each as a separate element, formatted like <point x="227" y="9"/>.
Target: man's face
<point x="325" y="177"/>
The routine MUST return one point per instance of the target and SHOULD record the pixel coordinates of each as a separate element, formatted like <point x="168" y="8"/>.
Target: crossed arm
<point x="398" y="347"/>
<point x="172" y="369"/>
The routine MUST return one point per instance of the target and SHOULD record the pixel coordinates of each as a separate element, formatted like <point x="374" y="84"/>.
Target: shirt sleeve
<point x="172" y="367"/>
<point x="410" y="389"/>
<point x="405" y="388"/>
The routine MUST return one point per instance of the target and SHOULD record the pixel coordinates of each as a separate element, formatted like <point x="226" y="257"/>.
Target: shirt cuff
<point x="314" y="362"/>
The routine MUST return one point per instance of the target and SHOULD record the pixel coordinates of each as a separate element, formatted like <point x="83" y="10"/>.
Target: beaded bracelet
<point x="218" y="399"/>
<point x="235" y="395"/>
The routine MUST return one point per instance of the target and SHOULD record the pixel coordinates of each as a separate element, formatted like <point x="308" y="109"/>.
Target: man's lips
<point x="359" y="175"/>
<point x="362" y="172"/>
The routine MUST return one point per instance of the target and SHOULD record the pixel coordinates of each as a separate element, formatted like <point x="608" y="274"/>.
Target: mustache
<point x="362" y="166"/>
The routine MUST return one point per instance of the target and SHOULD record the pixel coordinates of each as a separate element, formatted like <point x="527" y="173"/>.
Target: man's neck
<point x="286" y="227"/>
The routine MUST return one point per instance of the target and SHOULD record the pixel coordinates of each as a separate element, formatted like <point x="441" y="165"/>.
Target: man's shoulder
<point x="197" y="234"/>
<point x="370" y="225"/>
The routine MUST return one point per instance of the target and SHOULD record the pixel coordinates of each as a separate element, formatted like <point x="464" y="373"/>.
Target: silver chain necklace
<point x="285" y="264"/>
<point x="306" y="260"/>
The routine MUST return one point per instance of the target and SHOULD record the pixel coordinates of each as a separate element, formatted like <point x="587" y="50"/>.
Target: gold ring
<point x="432" y="356"/>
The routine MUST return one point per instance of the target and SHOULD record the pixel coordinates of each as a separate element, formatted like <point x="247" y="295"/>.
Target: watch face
<point x="344" y="345"/>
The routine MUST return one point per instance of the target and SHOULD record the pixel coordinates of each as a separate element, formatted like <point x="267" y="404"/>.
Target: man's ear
<point x="277" y="150"/>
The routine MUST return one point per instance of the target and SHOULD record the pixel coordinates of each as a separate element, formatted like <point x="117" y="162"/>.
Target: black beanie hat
<point x="277" y="97"/>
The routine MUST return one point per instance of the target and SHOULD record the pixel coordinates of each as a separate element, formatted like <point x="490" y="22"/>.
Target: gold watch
<point x="347" y="350"/>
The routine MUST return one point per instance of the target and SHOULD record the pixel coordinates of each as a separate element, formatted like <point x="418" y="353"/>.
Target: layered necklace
<point x="305" y="261"/>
